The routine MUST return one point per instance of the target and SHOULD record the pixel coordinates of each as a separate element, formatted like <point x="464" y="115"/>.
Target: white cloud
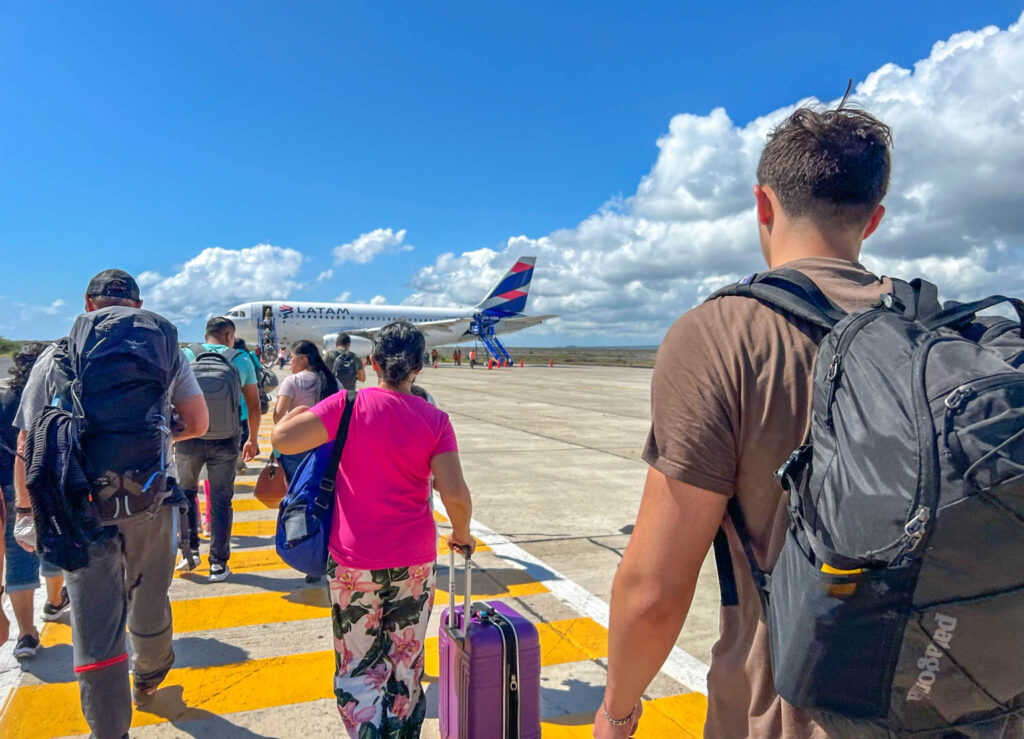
<point x="953" y="205"/>
<point x="33" y="320"/>
<point x="378" y="300"/>
<point x="344" y="297"/>
<point x="369" y="245"/>
<point x="324" y="276"/>
<point x="218" y="278"/>
<point x="54" y="308"/>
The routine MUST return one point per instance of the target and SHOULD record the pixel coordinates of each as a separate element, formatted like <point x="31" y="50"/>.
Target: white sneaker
<point x="219" y="572"/>
<point x="185" y="566"/>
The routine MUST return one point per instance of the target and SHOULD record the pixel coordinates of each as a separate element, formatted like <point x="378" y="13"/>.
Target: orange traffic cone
<point x="551" y="363"/>
<point x="520" y="364"/>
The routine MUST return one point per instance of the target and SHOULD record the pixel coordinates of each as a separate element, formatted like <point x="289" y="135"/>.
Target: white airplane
<point x="276" y="323"/>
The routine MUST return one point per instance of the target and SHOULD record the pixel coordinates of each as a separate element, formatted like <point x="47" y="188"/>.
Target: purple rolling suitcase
<point x="490" y="669"/>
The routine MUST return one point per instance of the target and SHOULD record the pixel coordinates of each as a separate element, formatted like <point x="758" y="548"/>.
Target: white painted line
<point x="681" y="666"/>
<point x="10" y="669"/>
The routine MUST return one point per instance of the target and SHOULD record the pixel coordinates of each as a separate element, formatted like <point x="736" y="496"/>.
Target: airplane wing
<point x="436" y="333"/>
<point x="507" y="325"/>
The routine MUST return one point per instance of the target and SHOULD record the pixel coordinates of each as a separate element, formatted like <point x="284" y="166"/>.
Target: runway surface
<point x="552" y="458"/>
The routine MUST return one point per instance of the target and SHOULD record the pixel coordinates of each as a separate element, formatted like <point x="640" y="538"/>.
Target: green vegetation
<point x="7" y="346"/>
<point x="607" y="356"/>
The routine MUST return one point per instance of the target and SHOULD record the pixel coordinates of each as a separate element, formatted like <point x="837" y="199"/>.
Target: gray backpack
<point x="896" y="607"/>
<point x="222" y="387"/>
<point x="346" y="369"/>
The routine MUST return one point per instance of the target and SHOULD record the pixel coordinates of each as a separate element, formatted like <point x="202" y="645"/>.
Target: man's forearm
<point x="21" y="497"/>
<point x="252" y="404"/>
<point x="641" y="634"/>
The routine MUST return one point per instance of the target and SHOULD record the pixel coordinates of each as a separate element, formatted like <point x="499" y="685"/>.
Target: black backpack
<point x="897" y="604"/>
<point x="222" y="388"/>
<point x="346" y="369"/>
<point x="112" y="373"/>
<point x="262" y="383"/>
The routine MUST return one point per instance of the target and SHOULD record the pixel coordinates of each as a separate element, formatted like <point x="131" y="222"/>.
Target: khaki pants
<point x="124" y="584"/>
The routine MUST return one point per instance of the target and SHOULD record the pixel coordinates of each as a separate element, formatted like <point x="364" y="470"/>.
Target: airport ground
<point x="552" y="456"/>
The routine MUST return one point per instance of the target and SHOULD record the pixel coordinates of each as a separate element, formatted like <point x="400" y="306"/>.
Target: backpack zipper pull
<point x="915" y="528"/>
<point x="832" y="377"/>
<point x="956" y="398"/>
<point x="513" y="683"/>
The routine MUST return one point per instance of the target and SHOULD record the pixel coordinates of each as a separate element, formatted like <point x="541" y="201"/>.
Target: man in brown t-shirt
<point x="730" y="400"/>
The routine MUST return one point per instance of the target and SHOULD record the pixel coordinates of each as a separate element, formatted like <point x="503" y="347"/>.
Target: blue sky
<point x="139" y="134"/>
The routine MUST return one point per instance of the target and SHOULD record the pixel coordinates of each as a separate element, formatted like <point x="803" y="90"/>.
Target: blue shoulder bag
<point x="304" y="519"/>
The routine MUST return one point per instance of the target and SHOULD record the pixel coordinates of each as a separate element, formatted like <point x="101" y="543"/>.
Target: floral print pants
<point x="380" y="626"/>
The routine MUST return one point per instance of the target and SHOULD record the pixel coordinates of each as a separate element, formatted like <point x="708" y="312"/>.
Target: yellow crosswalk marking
<point x="192" y="693"/>
<point x="568" y="640"/>
<point x="673" y="716"/>
<point x="263" y="560"/>
<point x="251" y="609"/>
<point x="244" y="505"/>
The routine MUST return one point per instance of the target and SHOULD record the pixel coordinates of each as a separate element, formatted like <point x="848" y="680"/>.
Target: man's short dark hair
<point x="218" y="326"/>
<point x="828" y="166"/>
<point x="343" y="340"/>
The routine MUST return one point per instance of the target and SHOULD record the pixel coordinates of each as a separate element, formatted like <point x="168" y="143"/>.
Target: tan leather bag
<point x="271" y="485"/>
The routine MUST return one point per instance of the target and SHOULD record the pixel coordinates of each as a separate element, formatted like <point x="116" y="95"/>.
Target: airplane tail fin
<point x="508" y="298"/>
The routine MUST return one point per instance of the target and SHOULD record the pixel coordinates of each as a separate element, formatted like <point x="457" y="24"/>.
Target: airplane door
<point x="268" y="334"/>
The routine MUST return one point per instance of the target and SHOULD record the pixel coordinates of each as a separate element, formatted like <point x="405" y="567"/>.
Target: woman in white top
<point x="309" y="383"/>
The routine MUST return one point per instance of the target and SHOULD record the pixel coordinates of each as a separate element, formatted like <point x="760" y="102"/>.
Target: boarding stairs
<point x="268" y="343"/>
<point x="496" y="349"/>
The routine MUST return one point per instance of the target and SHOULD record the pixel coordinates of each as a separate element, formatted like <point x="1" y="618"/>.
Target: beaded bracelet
<point x="617" y="721"/>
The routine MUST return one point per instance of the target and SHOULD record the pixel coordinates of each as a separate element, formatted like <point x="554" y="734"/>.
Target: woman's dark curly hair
<point x="23" y="361"/>
<point x="398" y="351"/>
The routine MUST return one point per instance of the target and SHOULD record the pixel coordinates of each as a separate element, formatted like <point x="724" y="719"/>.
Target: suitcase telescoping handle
<point x="468" y="566"/>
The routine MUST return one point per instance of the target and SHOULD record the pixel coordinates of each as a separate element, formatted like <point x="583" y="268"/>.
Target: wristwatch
<point x="22" y="509"/>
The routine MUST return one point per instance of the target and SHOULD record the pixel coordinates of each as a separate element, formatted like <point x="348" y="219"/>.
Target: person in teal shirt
<point x="247" y="371"/>
<point x="219" y="456"/>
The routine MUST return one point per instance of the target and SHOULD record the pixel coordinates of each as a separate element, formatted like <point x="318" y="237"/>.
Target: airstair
<point x="268" y="339"/>
<point x="496" y="349"/>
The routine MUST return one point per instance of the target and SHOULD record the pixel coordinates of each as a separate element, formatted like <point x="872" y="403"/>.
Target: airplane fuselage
<point x="297" y="320"/>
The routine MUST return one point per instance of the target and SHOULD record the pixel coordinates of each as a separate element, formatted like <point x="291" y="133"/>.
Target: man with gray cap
<point x="125" y="581"/>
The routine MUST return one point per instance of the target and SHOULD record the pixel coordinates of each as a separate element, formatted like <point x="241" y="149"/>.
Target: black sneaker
<point x="27" y="646"/>
<point x="52" y="612"/>
<point x="219" y="572"/>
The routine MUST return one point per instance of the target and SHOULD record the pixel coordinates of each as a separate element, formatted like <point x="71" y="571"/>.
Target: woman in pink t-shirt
<point x="383" y="540"/>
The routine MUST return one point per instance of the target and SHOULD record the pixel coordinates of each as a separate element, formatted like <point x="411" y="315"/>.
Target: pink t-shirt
<point x="382" y="517"/>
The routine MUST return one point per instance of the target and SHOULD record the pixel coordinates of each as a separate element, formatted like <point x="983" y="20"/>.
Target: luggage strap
<point x="326" y="488"/>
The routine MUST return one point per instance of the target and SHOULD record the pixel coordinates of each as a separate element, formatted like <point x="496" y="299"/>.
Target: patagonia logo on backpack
<point x="929" y="662"/>
<point x="897" y="600"/>
<point x="221" y="384"/>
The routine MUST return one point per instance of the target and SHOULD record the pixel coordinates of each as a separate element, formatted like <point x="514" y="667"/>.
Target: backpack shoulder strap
<point x="196" y="348"/>
<point x="229" y="354"/>
<point x="790" y="292"/>
<point x="962" y="313"/>
<point x="326" y="489"/>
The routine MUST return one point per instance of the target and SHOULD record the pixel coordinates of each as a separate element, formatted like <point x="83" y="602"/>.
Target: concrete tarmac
<point x="552" y="456"/>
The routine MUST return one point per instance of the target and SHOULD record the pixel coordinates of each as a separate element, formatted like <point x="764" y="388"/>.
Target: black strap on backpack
<point x="795" y="296"/>
<point x="789" y="292"/>
<point x="326" y="490"/>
